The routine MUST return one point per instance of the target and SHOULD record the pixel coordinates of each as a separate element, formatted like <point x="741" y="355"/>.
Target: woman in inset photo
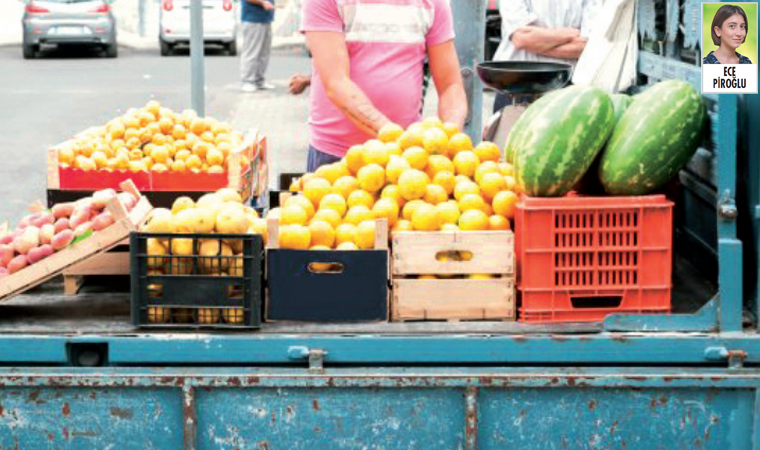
<point x="729" y="31"/>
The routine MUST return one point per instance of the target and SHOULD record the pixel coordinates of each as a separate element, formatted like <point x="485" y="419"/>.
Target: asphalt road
<point x="46" y="100"/>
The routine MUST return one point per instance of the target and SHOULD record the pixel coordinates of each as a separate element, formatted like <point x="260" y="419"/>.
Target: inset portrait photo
<point x="729" y="33"/>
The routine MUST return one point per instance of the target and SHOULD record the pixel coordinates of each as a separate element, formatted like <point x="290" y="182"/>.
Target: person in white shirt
<point x="543" y="30"/>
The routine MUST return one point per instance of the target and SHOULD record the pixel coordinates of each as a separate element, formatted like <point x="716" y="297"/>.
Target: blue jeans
<point x="317" y="159"/>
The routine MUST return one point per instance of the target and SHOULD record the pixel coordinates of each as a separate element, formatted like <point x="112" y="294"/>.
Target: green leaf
<point x="81" y="237"/>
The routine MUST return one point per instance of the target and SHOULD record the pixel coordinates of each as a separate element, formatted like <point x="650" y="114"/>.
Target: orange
<point x="159" y="139"/>
<point x="135" y="155"/>
<point x="330" y="216"/>
<point x="497" y="222"/>
<point x="390" y="132"/>
<point x="315" y="189"/>
<point x="166" y="125"/>
<point x="214" y="157"/>
<point x="510" y="182"/>
<point x="182" y="155"/>
<point x="358" y="214"/>
<point x="100" y="159"/>
<point x="198" y="126"/>
<point x="160" y="154"/>
<point x="201" y="149"/>
<point x="438" y="163"/>
<point x="435" y="141"/>
<point x="371" y="177"/>
<point x="393" y="148"/>
<point x="413" y="184"/>
<point x="336" y="202"/>
<point x="293" y="215"/>
<point x="396" y="166"/>
<point x="506" y="168"/>
<point x="345" y="185"/>
<point x="330" y="172"/>
<point x="484" y="168"/>
<point x="394" y="193"/>
<point x="178" y="166"/>
<point x="449" y="227"/>
<point x="425" y="218"/>
<point x="458" y="143"/>
<point x="375" y="152"/>
<point x="345" y="232"/>
<point x="160" y="168"/>
<point x="322" y="233"/>
<point x="408" y="211"/>
<point x="435" y="194"/>
<point x="465" y="187"/>
<point x="403" y="225"/>
<point x="411" y="138"/>
<point x="466" y="163"/>
<point x="491" y="184"/>
<point x="355" y="158"/>
<point x="417" y="157"/>
<point x="365" y="235"/>
<point x="153" y="106"/>
<point x="505" y="204"/>
<point x="347" y="246"/>
<point x="295" y="237"/>
<point x="448" y="212"/>
<point x="386" y="208"/>
<point x="360" y="197"/>
<point x="473" y="220"/>
<point x="488" y="151"/>
<point x="303" y="202"/>
<point x="471" y="201"/>
<point x="446" y="180"/>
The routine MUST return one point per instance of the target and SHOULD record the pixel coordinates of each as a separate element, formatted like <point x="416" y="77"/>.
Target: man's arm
<point x="331" y="62"/>
<point x="542" y="40"/>
<point x="262" y="3"/>
<point x="571" y="50"/>
<point x="444" y="67"/>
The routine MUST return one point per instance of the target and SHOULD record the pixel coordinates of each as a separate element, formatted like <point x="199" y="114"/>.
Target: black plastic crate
<point x="181" y="291"/>
<point x="354" y="290"/>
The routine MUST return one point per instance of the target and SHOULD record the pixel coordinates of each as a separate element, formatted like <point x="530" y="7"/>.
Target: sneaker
<point x="265" y="86"/>
<point x="249" y="87"/>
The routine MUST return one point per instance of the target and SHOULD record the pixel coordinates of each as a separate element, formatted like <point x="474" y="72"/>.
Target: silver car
<point x="219" y="24"/>
<point x="53" y="22"/>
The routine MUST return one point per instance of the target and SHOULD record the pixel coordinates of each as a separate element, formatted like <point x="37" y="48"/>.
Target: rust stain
<point x="315" y="404"/>
<point x="520" y="338"/>
<point x="93" y="394"/>
<point x="667" y="379"/>
<point x="264" y="445"/>
<point x="65" y="432"/>
<point x="613" y="427"/>
<point x="66" y="410"/>
<point x="35" y="397"/>
<point x="2" y="411"/>
<point x="234" y="381"/>
<point x="87" y="433"/>
<point x="558" y="337"/>
<point x="619" y="338"/>
<point x="571" y="381"/>
<point x="50" y="436"/>
<point x="317" y="429"/>
<point x="592" y="405"/>
<point x="272" y="418"/>
<point x="122" y="413"/>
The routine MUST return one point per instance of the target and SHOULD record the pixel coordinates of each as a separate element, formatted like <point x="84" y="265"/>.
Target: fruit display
<point x="555" y="141"/>
<point x="42" y="234"/>
<point x="429" y="177"/>
<point x="636" y="162"/>
<point x="154" y="138"/>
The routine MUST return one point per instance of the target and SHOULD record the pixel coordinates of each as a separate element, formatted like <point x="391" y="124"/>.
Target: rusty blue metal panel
<point x="647" y="419"/>
<point x="87" y="418"/>
<point x="347" y="418"/>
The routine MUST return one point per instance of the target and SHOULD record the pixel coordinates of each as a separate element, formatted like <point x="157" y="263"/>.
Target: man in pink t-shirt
<point x="368" y="66"/>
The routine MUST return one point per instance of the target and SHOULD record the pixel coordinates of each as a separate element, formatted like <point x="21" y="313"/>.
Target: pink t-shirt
<point x="387" y="41"/>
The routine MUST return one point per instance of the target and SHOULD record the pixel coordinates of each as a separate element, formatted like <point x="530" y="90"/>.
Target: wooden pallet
<point x="115" y="262"/>
<point x="453" y="257"/>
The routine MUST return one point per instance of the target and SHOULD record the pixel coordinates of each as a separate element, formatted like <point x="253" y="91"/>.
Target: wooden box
<point x="446" y="261"/>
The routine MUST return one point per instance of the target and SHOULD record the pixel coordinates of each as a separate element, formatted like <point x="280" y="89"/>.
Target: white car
<point x="219" y="24"/>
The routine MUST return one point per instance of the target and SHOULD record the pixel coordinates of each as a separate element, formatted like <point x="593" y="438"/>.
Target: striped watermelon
<point x="556" y="139"/>
<point x="655" y="138"/>
<point x="620" y="102"/>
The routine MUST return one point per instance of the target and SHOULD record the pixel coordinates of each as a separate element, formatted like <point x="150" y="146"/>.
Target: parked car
<point x="493" y="29"/>
<point x="54" y="22"/>
<point x="219" y="24"/>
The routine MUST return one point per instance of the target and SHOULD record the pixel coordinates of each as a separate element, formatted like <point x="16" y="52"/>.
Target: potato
<point x="61" y="224"/>
<point x="28" y="240"/>
<point x="62" y="240"/>
<point x="39" y="253"/>
<point x="47" y="232"/>
<point x="102" y="221"/>
<point x="17" y="263"/>
<point x="62" y="210"/>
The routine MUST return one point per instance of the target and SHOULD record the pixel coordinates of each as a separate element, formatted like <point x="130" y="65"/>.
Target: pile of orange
<point x="429" y="177"/>
<point x="154" y="138"/>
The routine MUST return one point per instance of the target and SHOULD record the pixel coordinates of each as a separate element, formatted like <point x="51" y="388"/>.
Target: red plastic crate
<point x="581" y="258"/>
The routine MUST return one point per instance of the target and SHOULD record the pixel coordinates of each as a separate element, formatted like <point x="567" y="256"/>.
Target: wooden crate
<point x="115" y="262"/>
<point x="453" y="256"/>
<point x="252" y="182"/>
<point x="94" y="245"/>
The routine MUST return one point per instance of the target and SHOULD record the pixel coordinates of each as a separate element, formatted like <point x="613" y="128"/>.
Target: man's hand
<point x="298" y="83"/>
<point x="571" y="50"/>
<point x="267" y="5"/>
<point x="444" y="67"/>
<point x="541" y="40"/>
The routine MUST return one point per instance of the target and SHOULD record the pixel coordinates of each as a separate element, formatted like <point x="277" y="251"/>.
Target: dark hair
<point x="724" y="12"/>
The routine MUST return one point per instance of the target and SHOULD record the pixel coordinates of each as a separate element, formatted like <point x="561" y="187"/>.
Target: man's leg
<point x="247" y="53"/>
<point x="317" y="159"/>
<point x="263" y="60"/>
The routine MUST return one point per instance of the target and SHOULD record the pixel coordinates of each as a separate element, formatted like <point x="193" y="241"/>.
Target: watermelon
<point x="556" y="139"/>
<point x="658" y="134"/>
<point x="620" y="102"/>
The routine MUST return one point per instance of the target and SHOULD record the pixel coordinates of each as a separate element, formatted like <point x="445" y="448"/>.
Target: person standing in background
<point x="543" y="30"/>
<point x="257" y="17"/>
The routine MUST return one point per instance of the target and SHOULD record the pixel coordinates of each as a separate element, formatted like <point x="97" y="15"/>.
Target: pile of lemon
<point x="155" y="138"/>
<point x="428" y="177"/>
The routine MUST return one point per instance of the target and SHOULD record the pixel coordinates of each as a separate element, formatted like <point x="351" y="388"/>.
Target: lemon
<point x="425" y="218"/>
<point x="371" y="177"/>
<point x="335" y="202"/>
<point x="413" y="184"/>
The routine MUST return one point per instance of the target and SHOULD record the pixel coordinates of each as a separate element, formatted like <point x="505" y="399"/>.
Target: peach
<point x="62" y="210"/>
<point x="39" y="253"/>
<point x="80" y="216"/>
<point x="45" y="218"/>
<point x="82" y="229"/>
<point x="101" y="198"/>
<point x="47" y="232"/>
<point x="61" y="224"/>
<point x="102" y="221"/>
<point x="6" y="255"/>
<point x="17" y="264"/>
<point x="62" y="239"/>
<point x="28" y="240"/>
<point x="128" y="200"/>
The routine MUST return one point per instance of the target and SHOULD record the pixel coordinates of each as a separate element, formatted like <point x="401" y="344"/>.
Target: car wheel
<point x="29" y="51"/>
<point x="112" y="50"/>
<point x="232" y="48"/>
<point x="166" y="48"/>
